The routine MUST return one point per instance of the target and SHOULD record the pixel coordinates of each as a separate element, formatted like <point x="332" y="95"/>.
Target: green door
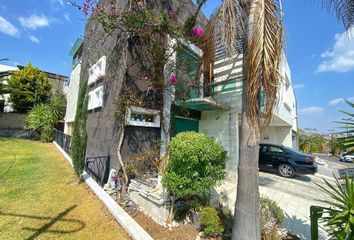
<point x="181" y="124"/>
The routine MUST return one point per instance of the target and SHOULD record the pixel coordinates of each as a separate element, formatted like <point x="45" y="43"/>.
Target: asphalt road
<point x="333" y="164"/>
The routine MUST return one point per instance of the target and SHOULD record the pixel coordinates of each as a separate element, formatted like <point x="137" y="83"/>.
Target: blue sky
<point x="320" y="56"/>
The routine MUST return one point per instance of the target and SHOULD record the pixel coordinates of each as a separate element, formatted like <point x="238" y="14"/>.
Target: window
<point x="143" y="117"/>
<point x="95" y="98"/>
<point x="97" y="71"/>
<point x="273" y="149"/>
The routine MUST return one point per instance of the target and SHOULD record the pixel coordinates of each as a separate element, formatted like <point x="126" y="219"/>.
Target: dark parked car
<point x="286" y="161"/>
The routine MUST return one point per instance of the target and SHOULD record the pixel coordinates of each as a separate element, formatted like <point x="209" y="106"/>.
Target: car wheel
<point x="285" y="170"/>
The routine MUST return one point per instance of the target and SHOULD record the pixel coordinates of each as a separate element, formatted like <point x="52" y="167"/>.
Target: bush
<point x="271" y="216"/>
<point x="196" y="164"/>
<point x="28" y="87"/>
<point x="210" y="222"/>
<point x="43" y="118"/>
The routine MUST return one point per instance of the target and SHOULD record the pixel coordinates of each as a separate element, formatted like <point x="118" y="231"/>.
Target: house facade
<point x="213" y="107"/>
<point x="104" y="70"/>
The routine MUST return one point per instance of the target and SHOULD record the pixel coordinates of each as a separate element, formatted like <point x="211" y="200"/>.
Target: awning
<point x="204" y="104"/>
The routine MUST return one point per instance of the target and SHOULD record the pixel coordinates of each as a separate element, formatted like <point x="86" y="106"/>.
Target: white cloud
<point x="311" y="110"/>
<point x="7" y="28"/>
<point x="341" y="57"/>
<point x="61" y="2"/>
<point x="67" y="17"/>
<point x="298" y="86"/>
<point x="34" y="39"/>
<point x="336" y="101"/>
<point x="34" y="21"/>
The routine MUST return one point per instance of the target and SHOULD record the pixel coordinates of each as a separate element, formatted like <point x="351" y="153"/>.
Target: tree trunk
<point x="246" y="224"/>
<point x="120" y="159"/>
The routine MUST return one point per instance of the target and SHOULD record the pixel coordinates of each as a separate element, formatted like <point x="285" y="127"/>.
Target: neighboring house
<point x="57" y="81"/>
<point x="213" y="108"/>
<point x="73" y="89"/>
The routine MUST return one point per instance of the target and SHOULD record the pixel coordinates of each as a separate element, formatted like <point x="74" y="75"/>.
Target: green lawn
<point x="40" y="197"/>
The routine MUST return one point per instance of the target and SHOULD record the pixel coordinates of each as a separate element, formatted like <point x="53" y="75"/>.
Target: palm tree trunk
<point x="246" y="223"/>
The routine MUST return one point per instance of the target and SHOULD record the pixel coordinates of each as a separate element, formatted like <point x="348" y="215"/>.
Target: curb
<point x="124" y="219"/>
<point x="66" y="156"/>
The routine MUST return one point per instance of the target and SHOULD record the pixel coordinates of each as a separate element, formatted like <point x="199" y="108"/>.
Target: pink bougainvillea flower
<point x="151" y="88"/>
<point x="173" y="79"/>
<point x="197" y="32"/>
<point x="192" y="85"/>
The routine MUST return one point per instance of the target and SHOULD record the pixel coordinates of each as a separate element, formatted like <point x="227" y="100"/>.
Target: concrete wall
<point x="278" y="135"/>
<point x="12" y="121"/>
<point x="223" y="126"/>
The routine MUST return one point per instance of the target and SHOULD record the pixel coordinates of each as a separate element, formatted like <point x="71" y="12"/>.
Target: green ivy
<point x="79" y="139"/>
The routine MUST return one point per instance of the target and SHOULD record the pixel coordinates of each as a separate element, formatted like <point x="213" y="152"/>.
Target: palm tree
<point x="258" y="23"/>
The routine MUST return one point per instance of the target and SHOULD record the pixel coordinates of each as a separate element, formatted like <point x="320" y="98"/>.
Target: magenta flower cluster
<point x="173" y="79"/>
<point x="87" y="6"/>
<point x="197" y="32"/>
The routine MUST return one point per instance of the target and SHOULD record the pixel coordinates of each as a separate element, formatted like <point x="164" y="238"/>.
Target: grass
<point x="40" y="197"/>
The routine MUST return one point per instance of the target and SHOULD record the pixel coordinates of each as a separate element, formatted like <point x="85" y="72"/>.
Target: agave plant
<point x="339" y="219"/>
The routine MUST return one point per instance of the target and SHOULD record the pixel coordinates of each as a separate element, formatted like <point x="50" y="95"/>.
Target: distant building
<point x="57" y="81"/>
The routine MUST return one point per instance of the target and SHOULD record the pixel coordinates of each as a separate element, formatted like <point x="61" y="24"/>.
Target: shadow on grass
<point x="76" y="224"/>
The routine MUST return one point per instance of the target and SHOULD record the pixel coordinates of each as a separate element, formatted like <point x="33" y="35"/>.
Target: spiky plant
<point x="347" y="142"/>
<point x="339" y="219"/>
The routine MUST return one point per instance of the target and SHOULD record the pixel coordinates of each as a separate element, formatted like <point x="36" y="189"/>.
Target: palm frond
<point x="232" y="25"/>
<point x="344" y="9"/>
<point x="264" y="55"/>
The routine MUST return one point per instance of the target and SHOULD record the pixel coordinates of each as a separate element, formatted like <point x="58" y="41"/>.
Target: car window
<point x="273" y="149"/>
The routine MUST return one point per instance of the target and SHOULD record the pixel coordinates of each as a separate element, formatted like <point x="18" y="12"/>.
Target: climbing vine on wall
<point x="79" y="139"/>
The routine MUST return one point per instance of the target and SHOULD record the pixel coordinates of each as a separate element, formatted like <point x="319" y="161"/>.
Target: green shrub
<point x="43" y="118"/>
<point x="196" y="164"/>
<point x="210" y="222"/>
<point x="271" y="216"/>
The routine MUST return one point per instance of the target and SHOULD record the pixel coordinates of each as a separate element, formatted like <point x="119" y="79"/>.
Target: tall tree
<point x="259" y="24"/>
<point x="27" y="87"/>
